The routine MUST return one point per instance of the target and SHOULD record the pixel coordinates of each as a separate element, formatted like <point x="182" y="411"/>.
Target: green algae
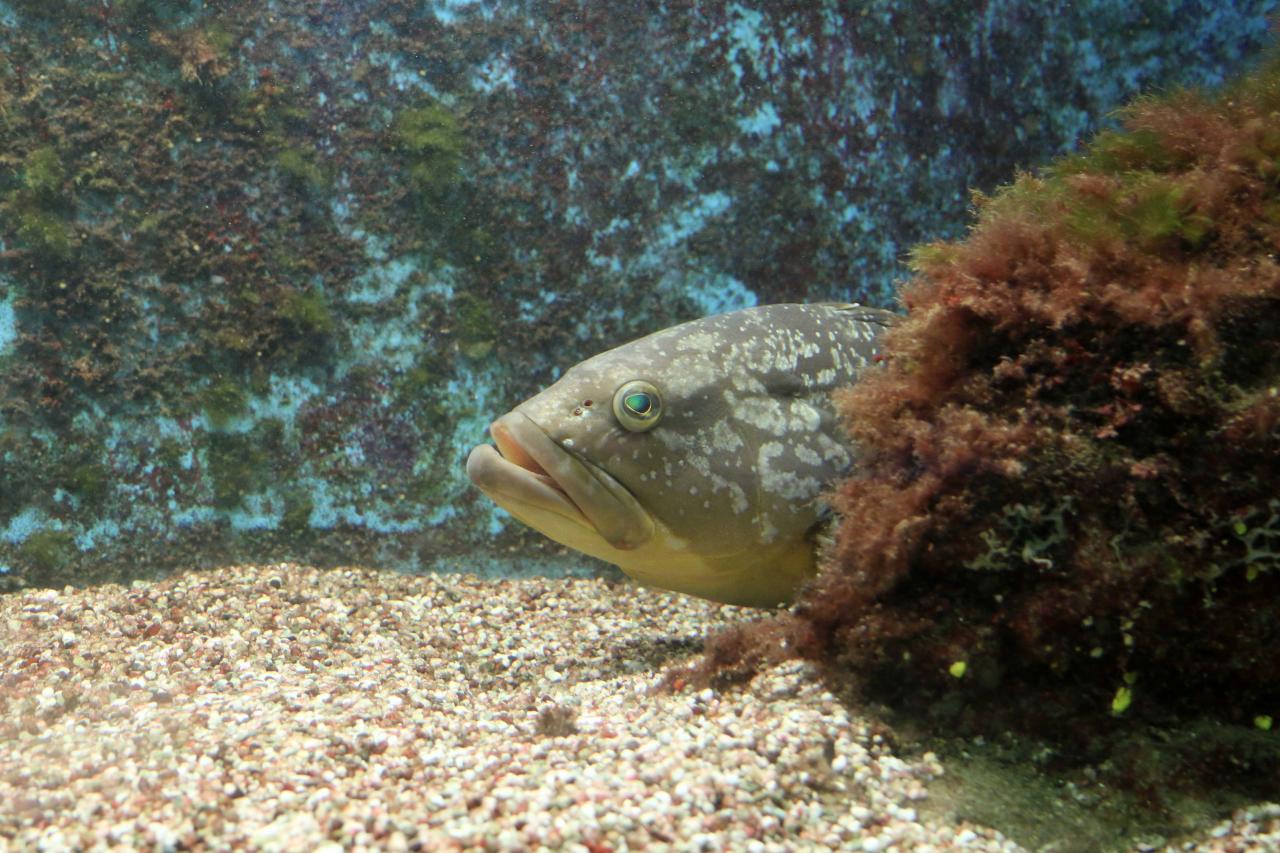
<point x="1024" y="536"/>
<point x="930" y="256"/>
<point x="90" y="482"/>
<point x="233" y="339"/>
<point x="307" y="312"/>
<point x="223" y="402"/>
<point x="1160" y="210"/>
<point x="43" y="174"/>
<point x="220" y="37"/>
<point x="430" y="140"/>
<point x="52" y="12"/>
<point x="1114" y="152"/>
<point x="48" y="550"/>
<point x="38" y="207"/>
<point x="239" y="464"/>
<point x="1259" y="532"/>
<point x="698" y="114"/>
<point x="474" y="324"/>
<point x="300" y="170"/>
<point x="169" y="454"/>
<point x="298" y="506"/>
<point x="46" y="234"/>
<point x="415" y="382"/>
<point x="421" y="390"/>
<point x="1145" y="208"/>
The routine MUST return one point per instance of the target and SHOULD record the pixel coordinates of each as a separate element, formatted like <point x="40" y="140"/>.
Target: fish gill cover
<point x="268" y="269"/>
<point x="1066" y="514"/>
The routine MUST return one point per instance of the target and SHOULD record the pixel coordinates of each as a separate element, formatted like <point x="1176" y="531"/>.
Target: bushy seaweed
<point x="1064" y="515"/>
<point x="1069" y="463"/>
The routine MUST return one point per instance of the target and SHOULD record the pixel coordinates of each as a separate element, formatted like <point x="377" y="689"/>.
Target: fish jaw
<point x="767" y="577"/>
<point x="543" y="485"/>
<point x="571" y="501"/>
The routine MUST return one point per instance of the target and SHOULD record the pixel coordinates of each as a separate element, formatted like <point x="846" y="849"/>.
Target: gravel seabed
<point x="288" y="708"/>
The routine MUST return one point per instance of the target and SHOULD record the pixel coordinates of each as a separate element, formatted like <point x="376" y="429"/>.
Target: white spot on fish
<point x="807" y="455"/>
<point x="723" y="437"/>
<point x="778" y="478"/>
<point x="805" y="417"/>
<point x="763" y="413"/>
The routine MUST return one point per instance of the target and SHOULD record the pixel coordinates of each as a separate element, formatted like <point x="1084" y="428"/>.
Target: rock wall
<point x="268" y="269"/>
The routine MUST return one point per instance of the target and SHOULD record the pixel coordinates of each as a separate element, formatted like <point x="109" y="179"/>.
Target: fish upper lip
<point x="513" y="452"/>
<point x="530" y="466"/>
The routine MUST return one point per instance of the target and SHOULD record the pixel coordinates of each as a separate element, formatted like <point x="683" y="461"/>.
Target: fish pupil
<point x="639" y="404"/>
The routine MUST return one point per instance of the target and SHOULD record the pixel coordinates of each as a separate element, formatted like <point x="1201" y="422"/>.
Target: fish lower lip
<point x="505" y="482"/>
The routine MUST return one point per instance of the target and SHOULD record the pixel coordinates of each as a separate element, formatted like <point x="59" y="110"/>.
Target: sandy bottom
<point x="285" y="708"/>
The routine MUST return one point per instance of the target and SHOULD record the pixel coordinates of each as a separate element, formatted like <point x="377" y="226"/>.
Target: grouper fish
<point x="695" y="458"/>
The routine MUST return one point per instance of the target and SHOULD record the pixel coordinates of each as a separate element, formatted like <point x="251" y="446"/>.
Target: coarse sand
<point x="288" y="708"/>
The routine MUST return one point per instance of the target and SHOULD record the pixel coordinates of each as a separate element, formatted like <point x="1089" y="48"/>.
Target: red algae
<point x="1065" y="520"/>
<point x="1065" y="512"/>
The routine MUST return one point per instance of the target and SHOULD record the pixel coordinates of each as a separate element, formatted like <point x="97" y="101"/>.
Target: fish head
<point x="693" y="458"/>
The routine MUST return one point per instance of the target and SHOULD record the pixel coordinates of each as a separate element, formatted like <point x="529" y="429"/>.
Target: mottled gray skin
<point x="721" y="498"/>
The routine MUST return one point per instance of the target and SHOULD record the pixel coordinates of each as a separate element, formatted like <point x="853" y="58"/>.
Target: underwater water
<point x="270" y="270"/>
<point x="267" y="270"/>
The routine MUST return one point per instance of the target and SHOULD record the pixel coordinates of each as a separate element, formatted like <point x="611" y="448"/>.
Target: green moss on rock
<point x="46" y="234"/>
<point x="224" y="401"/>
<point x="307" y="312"/>
<point x="299" y="168"/>
<point x="90" y="482"/>
<point x="474" y="324"/>
<point x="48" y="550"/>
<point x="43" y="174"/>
<point x="298" y="506"/>
<point x="238" y="465"/>
<point x="431" y="142"/>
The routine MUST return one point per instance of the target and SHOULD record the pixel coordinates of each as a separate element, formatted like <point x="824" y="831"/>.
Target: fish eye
<point x="637" y="405"/>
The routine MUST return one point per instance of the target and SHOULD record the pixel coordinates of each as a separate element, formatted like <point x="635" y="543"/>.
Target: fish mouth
<point x="541" y="483"/>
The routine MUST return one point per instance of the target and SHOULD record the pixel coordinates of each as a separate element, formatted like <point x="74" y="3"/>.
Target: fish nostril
<point x="578" y="411"/>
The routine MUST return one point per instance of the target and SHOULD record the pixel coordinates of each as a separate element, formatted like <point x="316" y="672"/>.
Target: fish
<point x="695" y="458"/>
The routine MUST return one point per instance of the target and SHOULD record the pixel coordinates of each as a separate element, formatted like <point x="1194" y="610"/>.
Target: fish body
<point x="695" y="458"/>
